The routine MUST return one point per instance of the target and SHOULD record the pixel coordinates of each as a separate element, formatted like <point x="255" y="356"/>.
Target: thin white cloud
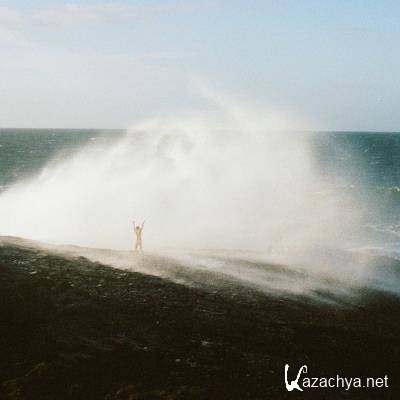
<point x="8" y="36"/>
<point x="76" y="14"/>
<point x="11" y="23"/>
<point x="10" y="17"/>
<point x="166" y="55"/>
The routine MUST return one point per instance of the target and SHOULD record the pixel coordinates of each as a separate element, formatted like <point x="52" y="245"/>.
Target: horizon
<point x="126" y="129"/>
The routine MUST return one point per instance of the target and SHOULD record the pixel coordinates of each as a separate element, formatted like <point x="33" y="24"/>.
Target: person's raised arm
<point x="142" y="225"/>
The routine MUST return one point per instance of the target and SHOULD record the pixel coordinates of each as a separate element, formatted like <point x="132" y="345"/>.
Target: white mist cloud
<point x="228" y="175"/>
<point x="221" y="178"/>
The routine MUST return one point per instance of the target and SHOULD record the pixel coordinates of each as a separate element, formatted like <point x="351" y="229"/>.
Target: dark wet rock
<point x="131" y="392"/>
<point x="80" y="330"/>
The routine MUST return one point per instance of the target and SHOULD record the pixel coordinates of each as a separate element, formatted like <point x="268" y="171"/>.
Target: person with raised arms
<point x="138" y="232"/>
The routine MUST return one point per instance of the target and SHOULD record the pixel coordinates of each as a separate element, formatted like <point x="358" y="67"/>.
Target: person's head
<point x="137" y="227"/>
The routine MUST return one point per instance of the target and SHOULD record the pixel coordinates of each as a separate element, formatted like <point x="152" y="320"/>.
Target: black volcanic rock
<point x="74" y="329"/>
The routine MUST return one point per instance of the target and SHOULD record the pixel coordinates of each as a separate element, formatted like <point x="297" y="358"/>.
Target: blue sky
<point x="105" y="64"/>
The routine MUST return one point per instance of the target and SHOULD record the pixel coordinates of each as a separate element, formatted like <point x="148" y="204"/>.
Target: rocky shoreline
<point x="75" y="329"/>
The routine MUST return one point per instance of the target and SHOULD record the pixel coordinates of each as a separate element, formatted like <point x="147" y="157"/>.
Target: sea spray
<point x="225" y="180"/>
<point x="200" y="182"/>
